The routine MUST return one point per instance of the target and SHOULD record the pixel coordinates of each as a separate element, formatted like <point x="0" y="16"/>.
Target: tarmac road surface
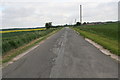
<point x="63" y="55"/>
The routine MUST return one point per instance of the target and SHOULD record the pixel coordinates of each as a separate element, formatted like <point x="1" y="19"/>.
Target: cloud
<point x="32" y="14"/>
<point x="119" y="11"/>
<point x="102" y="12"/>
<point x="59" y="0"/>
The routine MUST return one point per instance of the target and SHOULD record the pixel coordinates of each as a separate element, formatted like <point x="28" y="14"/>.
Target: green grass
<point x="106" y="30"/>
<point x="21" y="50"/>
<point x="12" y="34"/>
<point x="103" y="34"/>
<point x="14" y="40"/>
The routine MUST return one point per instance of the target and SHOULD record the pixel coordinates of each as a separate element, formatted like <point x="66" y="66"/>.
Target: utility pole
<point x="81" y="14"/>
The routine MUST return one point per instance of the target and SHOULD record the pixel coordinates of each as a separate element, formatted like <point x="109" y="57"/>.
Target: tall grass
<point x="14" y="40"/>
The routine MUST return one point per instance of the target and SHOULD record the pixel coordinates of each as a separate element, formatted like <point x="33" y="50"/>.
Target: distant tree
<point x="78" y="24"/>
<point x="84" y="23"/>
<point x="48" y="25"/>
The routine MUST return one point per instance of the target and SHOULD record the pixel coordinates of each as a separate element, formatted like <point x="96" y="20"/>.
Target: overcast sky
<point x="35" y="13"/>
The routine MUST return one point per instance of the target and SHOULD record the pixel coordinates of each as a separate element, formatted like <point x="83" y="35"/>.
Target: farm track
<point x="63" y="55"/>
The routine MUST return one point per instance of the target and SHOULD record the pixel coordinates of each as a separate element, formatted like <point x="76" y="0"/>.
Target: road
<point x="63" y="55"/>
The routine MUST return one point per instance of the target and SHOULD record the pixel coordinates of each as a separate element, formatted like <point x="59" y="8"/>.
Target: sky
<point x="35" y="13"/>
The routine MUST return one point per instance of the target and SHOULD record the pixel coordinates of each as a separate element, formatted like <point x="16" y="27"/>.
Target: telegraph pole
<point x="81" y="14"/>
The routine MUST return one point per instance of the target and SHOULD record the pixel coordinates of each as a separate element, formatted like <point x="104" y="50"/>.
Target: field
<point x="13" y="40"/>
<point x="103" y="34"/>
<point x="8" y="31"/>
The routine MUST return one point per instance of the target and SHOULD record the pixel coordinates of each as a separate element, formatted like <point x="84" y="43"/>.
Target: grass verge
<point x="111" y="45"/>
<point x="13" y="53"/>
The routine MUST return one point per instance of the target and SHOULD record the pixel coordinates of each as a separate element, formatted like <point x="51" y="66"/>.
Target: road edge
<point x="29" y="48"/>
<point x="101" y="48"/>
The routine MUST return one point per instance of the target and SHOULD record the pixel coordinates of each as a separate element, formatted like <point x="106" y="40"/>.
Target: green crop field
<point x="103" y="34"/>
<point x="13" y="40"/>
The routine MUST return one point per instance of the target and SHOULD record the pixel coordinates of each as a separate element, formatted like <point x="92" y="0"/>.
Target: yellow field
<point x="22" y="30"/>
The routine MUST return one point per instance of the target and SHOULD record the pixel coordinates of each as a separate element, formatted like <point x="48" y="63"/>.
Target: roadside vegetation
<point x="14" y="43"/>
<point x="103" y="34"/>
